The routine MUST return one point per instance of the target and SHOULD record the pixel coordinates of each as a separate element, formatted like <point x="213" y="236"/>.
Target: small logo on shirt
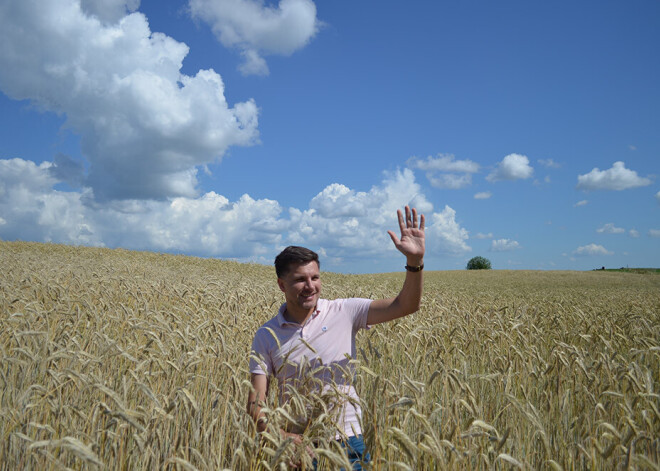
<point x="324" y="328"/>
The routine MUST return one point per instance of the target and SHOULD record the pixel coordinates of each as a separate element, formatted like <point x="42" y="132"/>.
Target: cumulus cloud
<point x="68" y="170"/>
<point x="144" y="126"/>
<point x="610" y="228"/>
<point x="581" y="203"/>
<point x="512" y="167"/>
<point x="445" y="171"/>
<point x="654" y="232"/>
<point x="616" y="178"/>
<point x="109" y="11"/>
<point x="209" y="225"/>
<point x="633" y="233"/>
<point x="591" y="249"/>
<point x="481" y="235"/>
<point x="33" y="210"/>
<point x="504" y="245"/>
<point x="341" y="221"/>
<point x="483" y="195"/>
<point x="657" y="196"/>
<point x="398" y="189"/>
<point x="256" y="29"/>
<point x="445" y="235"/>
<point x="349" y="222"/>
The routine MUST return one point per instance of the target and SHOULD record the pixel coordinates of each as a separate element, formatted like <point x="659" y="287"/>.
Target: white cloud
<point x="144" y="126"/>
<point x="211" y="225"/>
<point x="549" y="163"/>
<point x="253" y="64"/>
<point x="445" y="235"/>
<point x="591" y="249"/>
<point x="32" y="210"/>
<point x="348" y="221"/>
<point x="657" y="196"/>
<point x="444" y="163"/>
<point x="484" y="195"/>
<point x="398" y="189"/>
<point x="654" y="232"/>
<point x="484" y="236"/>
<point x="616" y="178"/>
<point x="610" y="228"/>
<point x="512" y="167"/>
<point x="445" y="171"/>
<point x="580" y="203"/>
<point x="504" y="245"/>
<point x="109" y="11"/>
<point x="449" y="181"/>
<point x="633" y="233"/>
<point x="337" y="200"/>
<point x="256" y="29"/>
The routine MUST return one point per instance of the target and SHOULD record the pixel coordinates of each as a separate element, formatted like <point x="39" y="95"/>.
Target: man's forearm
<point x="256" y="398"/>
<point x="259" y="418"/>
<point x="406" y="302"/>
<point x="410" y="296"/>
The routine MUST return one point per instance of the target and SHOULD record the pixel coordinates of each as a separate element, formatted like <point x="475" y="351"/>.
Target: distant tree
<point x="478" y="263"/>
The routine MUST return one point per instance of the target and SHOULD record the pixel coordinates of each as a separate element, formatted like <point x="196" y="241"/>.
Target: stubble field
<point x="111" y="359"/>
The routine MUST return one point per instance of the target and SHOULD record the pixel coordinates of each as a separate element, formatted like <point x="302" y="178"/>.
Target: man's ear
<point x="280" y="283"/>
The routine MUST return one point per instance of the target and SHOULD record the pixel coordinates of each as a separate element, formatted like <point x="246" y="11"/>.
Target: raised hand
<point x="411" y="243"/>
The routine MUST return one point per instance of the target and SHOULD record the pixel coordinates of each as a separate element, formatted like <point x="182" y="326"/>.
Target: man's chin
<point x="309" y="303"/>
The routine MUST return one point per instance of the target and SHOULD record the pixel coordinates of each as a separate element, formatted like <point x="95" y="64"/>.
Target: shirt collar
<point x="281" y="321"/>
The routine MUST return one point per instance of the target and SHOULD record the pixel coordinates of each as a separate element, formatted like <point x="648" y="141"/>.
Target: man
<point x="308" y="344"/>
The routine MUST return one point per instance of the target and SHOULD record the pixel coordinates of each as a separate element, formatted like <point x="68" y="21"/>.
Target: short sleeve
<point x="359" y="309"/>
<point x="260" y="362"/>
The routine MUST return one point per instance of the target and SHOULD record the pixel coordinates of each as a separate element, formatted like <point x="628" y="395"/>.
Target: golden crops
<point x="113" y="359"/>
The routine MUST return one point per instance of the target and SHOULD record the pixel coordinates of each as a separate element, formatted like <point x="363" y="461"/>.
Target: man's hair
<point x="294" y="255"/>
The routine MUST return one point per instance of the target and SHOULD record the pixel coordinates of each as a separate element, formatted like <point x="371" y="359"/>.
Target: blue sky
<point x="527" y="132"/>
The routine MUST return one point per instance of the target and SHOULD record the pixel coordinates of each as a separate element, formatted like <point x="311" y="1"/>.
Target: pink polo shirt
<point x="330" y="332"/>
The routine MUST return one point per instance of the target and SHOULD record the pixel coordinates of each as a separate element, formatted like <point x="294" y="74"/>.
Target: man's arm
<point x="411" y="244"/>
<point x="257" y="397"/>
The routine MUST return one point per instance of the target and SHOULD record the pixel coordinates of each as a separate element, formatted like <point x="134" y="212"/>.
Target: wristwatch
<point x="415" y="269"/>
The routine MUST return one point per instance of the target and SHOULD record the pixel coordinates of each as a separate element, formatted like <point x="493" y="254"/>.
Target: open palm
<point x="412" y="240"/>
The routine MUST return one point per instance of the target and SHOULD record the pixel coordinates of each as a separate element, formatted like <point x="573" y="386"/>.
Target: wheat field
<point x="112" y="359"/>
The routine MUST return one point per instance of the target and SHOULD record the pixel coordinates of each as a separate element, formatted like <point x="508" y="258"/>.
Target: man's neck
<point x="297" y="316"/>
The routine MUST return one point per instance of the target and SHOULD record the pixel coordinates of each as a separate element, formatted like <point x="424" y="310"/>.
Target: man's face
<point x="301" y="286"/>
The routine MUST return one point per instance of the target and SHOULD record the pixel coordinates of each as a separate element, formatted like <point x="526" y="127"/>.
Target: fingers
<point x="402" y="223"/>
<point x="411" y="220"/>
<point x="394" y="238"/>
